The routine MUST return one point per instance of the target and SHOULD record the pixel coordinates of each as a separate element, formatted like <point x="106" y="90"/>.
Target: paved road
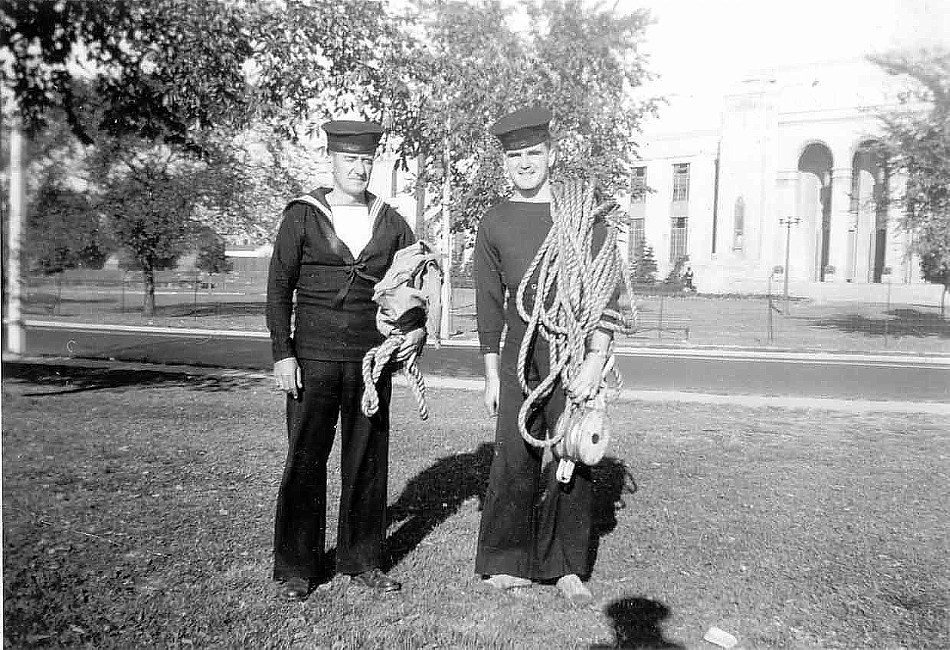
<point x="866" y="377"/>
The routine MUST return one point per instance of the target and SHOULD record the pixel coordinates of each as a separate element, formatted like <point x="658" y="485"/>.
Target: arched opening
<point x="738" y="230"/>
<point x="814" y="203"/>
<point x="869" y="199"/>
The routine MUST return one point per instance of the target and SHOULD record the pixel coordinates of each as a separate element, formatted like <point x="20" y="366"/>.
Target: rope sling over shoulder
<point x="575" y="286"/>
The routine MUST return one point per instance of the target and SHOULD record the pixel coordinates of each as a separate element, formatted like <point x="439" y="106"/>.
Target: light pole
<point x="787" y="222"/>
<point x="14" y="337"/>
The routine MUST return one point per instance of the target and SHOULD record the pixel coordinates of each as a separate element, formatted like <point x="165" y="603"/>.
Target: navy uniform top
<point x="509" y="237"/>
<point x="335" y="317"/>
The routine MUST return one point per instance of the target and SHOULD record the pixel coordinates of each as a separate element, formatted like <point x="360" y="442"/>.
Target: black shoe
<point x="376" y="579"/>
<point x="297" y="589"/>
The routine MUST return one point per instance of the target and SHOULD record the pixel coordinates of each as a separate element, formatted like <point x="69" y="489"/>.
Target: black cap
<point x="353" y="136"/>
<point x="522" y="128"/>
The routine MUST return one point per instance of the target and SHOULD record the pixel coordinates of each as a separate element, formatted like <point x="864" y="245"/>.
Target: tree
<point x="63" y="230"/>
<point x="917" y="145"/>
<point x="160" y="69"/>
<point x="155" y="89"/>
<point x="210" y="252"/>
<point x="149" y="196"/>
<point x="470" y="66"/>
<point x="643" y="265"/>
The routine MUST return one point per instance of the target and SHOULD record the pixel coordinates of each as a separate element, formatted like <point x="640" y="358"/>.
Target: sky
<point x="698" y="46"/>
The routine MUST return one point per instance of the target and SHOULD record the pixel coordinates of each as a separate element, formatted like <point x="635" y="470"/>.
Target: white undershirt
<point x="352" y="226"/>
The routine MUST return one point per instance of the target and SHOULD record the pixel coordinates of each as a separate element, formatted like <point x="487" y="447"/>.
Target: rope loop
<point x="574" y="286"/>
<point x="374" y="362"/>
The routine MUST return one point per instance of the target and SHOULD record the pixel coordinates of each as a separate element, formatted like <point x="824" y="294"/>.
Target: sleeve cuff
<point x="282" y="349"/>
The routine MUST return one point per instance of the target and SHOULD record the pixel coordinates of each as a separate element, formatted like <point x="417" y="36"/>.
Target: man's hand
<point x="492" y="391"/>
<point x="588" y="379"/>
<point x="288" y="376"/>
<point x="415" y="341"/>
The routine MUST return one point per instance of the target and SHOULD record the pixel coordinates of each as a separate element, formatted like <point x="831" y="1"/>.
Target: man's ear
<point x="552" y="158"/>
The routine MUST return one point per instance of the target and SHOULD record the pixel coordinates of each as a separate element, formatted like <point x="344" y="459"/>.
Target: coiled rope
<point x="374" y="362"/>
<point x="574" y="287"/>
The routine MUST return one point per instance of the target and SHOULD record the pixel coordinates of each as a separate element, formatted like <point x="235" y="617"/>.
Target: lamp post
<point x="787" y="222"/>
<point x="14" y="337"/>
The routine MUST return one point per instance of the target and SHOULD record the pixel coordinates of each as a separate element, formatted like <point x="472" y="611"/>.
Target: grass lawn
<point x="138" y="510"/>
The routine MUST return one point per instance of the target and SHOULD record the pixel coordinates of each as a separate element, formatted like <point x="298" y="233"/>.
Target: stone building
<point x="782" y="165"/>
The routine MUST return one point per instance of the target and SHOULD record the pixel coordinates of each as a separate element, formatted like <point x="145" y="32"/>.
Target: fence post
<point x="887" y="313"/>
<point x="59" y="292"/>
<point x="659" y="325"/>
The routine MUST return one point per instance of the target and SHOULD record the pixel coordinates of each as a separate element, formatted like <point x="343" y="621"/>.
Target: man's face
<point x="351" y="171"/>
<point x="528" y="168"/>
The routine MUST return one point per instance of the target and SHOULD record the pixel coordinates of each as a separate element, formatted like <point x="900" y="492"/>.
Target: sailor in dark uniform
<point x="533" y="528"/>
<point x="332" y="246"/>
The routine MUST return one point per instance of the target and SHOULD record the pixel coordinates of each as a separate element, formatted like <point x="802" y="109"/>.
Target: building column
<point x="840" y="223"/>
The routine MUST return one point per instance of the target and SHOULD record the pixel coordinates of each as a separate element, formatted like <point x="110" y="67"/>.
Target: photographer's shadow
<point x="637" y="624"/>
<point x="434" y="495"/>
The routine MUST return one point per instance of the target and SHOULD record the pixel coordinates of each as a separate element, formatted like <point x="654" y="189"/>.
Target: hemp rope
<point x="573" y="290"/>
<point x="375" y="360"/>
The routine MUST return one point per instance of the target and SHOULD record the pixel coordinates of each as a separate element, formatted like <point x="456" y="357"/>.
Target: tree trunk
<point x="148" y="280"/>
<point x="420" y="196"/>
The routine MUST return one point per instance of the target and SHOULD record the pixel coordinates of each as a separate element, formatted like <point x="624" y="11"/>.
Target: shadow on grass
<point x="61" y="379"/>
<point x="637" y="624"/>
<point x="434" y="495"/>
<point x="897" y="322"/>
<point x="439" y="491"/>
<point x="612" y="480"/>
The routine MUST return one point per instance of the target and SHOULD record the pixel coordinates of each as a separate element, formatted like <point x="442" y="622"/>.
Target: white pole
<point x="13" y="319"/>
<point x="445" y="327"/>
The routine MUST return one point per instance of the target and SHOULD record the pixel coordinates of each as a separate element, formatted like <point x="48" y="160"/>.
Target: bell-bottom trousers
<point x="332" y="390"/>
<point x="532" y="526"/>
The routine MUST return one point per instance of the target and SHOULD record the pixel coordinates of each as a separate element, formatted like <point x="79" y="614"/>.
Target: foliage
<point x="917" y="145"/>
<point x="157" y="88"/>
<point x="210" y="252"/>
<point x="149" y="194"/>
<point x="192" y="87"/>
<point x="643" y="265"/>
<point x="316" y="59"/>
<point x="473" y="66"/>
<point x="440" y="73"/>
<point x="63" y="231"/>
<point x="159" y="69"/>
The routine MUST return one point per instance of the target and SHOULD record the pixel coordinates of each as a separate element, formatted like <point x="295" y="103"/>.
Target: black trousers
<point x="332" y="390"/>
<point x="532" y="526"/>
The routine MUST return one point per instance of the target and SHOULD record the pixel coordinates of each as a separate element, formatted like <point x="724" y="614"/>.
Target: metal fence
<point x="667" y="316"/>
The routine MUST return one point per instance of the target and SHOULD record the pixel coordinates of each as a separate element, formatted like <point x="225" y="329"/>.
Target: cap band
<point x="524" y="138"/>
<point x="352" y="136"/>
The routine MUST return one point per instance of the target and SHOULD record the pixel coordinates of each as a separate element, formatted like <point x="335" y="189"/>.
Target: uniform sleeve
<point x="406" y="236"/>
<point x="282" y="280"/>
<point x="489" y="290"/>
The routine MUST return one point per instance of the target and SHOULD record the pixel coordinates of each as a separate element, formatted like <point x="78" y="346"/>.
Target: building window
<point x="638" y="185"/>
<point x="637" y="234"/>
<point x="681" y="182"/>
<point x="678" y="238"/>
<point x="738" y="232"/>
